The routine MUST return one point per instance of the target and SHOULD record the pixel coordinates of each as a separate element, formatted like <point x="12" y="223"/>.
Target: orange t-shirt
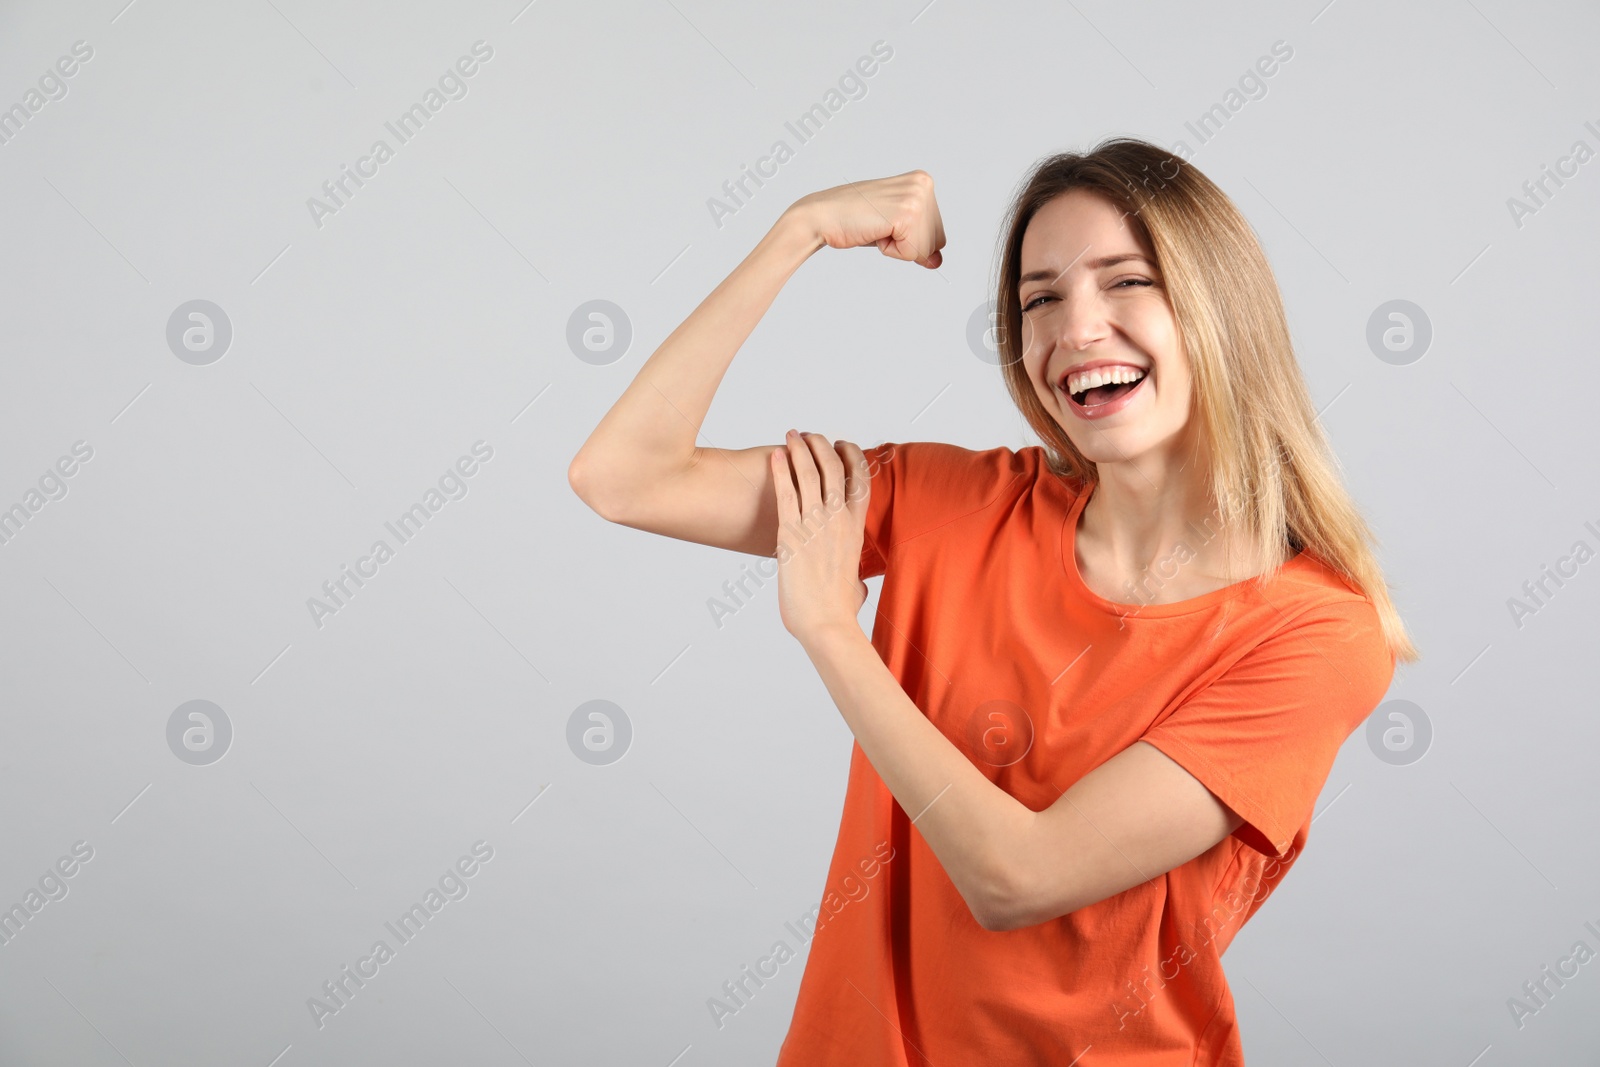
<point x="988" y="625"/>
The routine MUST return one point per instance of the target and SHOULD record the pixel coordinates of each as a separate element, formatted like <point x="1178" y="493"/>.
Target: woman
<point x="1108" y="676"/>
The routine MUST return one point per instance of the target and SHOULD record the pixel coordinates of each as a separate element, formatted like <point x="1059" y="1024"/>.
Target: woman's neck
<point x="1157" y="530"/>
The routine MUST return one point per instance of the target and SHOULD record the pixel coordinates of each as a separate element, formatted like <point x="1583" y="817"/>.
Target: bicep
<point x="1131" y="819"/>
<point x="724" y="499"/>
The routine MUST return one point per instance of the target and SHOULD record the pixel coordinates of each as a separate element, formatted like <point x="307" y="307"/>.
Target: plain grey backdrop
<point x="355" y="346"/>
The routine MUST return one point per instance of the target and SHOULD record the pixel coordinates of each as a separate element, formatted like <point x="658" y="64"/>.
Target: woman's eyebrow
<point x="1093" y="264"/>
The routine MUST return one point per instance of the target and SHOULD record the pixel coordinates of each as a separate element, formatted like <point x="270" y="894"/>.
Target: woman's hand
<point x="897" y="214"/>
<point x="822" y="509"/>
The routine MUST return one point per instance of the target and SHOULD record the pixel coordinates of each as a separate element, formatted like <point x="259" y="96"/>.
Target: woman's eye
<point x="1030" y="305"/>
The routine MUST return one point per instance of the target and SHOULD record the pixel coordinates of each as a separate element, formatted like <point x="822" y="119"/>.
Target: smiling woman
<point x="1086" y="797"/>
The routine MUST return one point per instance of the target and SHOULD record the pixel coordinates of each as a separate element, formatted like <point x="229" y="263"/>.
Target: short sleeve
<point x="1263" y="736"/>
<point x="920" y="486"/>
<point x="882" y="464"/>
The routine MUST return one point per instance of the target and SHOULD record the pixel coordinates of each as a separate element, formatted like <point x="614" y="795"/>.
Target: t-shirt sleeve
<point x="1263" y="736"/>
<point x="883" y="463"/>
<point x="920" y="486"/>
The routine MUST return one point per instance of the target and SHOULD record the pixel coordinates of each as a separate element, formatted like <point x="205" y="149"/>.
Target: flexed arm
<point x="641" y="466"/>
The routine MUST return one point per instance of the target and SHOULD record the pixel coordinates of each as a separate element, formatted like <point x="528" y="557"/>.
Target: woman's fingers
<point x="783" y="486"/>
<point x="858" y="480"/>
<point x="830" y="472"/>
<point x="822" y="484"/>
<point x="806" y="479"/>
<point x="934" y="232"/>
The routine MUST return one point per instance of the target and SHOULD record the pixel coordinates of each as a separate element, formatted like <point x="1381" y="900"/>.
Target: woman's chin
<point x="1112" y="445"/>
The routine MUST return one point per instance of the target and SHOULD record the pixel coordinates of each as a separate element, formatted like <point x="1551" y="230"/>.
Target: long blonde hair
<point x="1272" y="473"/>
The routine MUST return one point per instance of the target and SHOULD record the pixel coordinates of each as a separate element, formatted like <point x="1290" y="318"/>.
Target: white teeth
<point x="1077" y="383"/>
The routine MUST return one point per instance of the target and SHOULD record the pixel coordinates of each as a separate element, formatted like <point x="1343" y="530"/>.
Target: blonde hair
<point x="1273" y="473"/>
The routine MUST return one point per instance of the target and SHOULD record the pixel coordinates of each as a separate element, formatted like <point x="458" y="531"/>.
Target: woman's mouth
<point x="1097" y="396"/>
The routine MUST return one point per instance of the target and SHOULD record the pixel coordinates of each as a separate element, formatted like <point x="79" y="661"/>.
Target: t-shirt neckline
<point x="1069" y="565"/>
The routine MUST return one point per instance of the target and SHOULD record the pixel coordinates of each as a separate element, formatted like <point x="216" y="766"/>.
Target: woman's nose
<point x="1079" y="323"/>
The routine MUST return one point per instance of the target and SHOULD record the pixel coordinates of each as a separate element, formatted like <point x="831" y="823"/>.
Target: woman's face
<point x="1093" y="309"/>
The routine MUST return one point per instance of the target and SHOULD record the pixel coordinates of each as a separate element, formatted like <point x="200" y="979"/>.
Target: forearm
<point x="652" y="427"/>
<point x="975" y="828"/>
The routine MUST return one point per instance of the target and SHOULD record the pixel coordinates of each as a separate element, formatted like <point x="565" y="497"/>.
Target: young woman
<point x="1108" y="675"/>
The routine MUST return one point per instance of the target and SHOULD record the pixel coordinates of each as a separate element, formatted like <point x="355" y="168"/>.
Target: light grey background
<point x="429" y="313"/>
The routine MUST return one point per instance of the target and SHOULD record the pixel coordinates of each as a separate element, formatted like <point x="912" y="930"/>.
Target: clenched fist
<point x="897" y="214"/>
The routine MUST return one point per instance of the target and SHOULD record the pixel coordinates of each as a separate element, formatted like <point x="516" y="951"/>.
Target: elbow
<point x="991" y="921"/>
<point x="1027" y="901"/>
<point x="590" y="489"/>
<point x="577" y="477"/>
<point x="1003" y="902"/>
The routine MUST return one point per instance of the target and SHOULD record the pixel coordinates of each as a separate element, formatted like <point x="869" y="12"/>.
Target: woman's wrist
<point x="825" y="641"/>
<point x="798" y="225"/>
